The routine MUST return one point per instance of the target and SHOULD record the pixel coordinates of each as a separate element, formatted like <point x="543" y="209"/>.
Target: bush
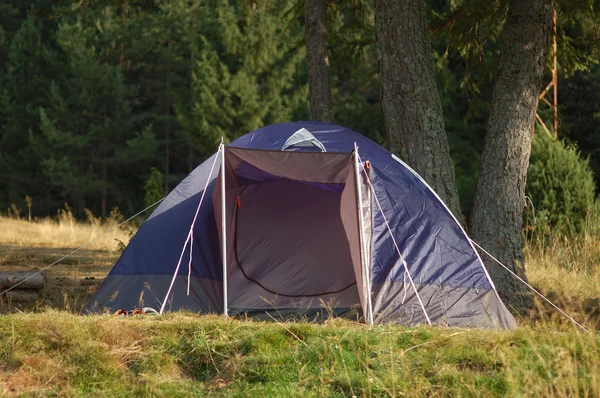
<point x="560" y="183"/>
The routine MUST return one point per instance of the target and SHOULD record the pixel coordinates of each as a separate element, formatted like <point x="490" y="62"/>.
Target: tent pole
<point x="223" y="229"/>
<point x="363" y="250"/>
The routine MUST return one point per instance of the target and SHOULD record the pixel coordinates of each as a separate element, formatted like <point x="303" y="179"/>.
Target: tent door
<point x="292" y="231"/>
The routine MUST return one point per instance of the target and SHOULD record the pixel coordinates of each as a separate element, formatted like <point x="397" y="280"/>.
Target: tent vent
<point x="302" y="139"/>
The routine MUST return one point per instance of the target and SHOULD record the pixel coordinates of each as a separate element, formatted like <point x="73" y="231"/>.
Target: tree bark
<point x="315" y="14"/>
<point x="497" y="215"/>
<point x="168" y="121"/>
<point x="104" y="204"/>
<point x="410" y="100"/>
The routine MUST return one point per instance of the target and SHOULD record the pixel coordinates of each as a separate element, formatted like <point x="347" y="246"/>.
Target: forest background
<point x="93" y="94"/>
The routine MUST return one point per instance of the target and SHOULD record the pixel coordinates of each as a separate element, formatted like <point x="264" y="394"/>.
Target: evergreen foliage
<point x="560" y="183"/>
<point x="580" y="114"/>
<point x="243" y="64"/>
<point x="153" y="187"/>
<point x="94" y="94"/>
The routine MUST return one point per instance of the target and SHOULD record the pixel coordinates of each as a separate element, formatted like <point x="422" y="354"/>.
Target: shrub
<point x="560" y="183"/>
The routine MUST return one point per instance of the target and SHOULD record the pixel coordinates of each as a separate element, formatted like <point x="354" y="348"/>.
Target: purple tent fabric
<point x="294" y="239"/>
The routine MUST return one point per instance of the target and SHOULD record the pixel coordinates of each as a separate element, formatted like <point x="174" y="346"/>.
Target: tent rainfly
<point x="301" y="219"/>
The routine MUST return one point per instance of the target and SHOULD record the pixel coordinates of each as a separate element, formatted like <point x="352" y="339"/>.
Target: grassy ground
<point x="31" y="246"/>
<point x="45" y="350"/>
<point x="569" y="268"/>
<point x="69" y="283"/>
<point x="56" y="353"/>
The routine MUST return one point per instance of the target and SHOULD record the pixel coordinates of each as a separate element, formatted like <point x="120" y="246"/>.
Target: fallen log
<point x="20" y="296"/>
<point x="24" y="280"/>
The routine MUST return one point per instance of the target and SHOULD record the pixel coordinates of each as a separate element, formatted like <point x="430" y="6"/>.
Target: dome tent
<point x="295" y="241"/>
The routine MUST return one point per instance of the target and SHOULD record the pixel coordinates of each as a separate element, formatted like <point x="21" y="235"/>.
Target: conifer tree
<point x="29" y="65"/>
<point x="244" y="62"/>
<point x="87" y="128"/>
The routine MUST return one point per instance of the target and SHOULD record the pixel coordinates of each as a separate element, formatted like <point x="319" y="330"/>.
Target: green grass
<point x="60" y="354"/>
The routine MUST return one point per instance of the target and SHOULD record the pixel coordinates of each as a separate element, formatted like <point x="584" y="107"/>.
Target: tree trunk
<point x="497" y="216"/>
<point x="315" y="14"/>
<point x="104" y="189"/>
<point x="168" y="121"/>
<point x="410" y="100"/>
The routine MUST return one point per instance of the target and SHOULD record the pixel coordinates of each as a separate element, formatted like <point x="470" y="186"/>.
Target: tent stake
<point x="363" y="250"/>
<point x="223" y="229"/>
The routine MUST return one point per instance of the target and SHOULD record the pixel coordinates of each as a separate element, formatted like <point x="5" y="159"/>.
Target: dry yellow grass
<point x="566" y="266"/>
<point x="547" y="271"/>
<point x="61" y="232"/>
<point x="567" y="270"/>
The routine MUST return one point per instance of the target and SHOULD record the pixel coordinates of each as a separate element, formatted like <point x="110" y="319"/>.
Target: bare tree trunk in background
<point x="104" y="190"/>
<point x="315" y="14"/>
<point x="410" y="99"/>
<point x="168" y="112"/>
<point x="497" y="216"/>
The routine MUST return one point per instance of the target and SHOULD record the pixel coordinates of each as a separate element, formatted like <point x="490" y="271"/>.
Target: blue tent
<point x="310" y="225"/>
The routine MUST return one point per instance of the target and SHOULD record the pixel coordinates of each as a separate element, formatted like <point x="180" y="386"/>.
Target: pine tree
<point x="29" y="66"/>
<point x="88" y="139"/>
<point x="156" y="62"/>
<point x="243" y="65"/>
<point x="153" y="187"/>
